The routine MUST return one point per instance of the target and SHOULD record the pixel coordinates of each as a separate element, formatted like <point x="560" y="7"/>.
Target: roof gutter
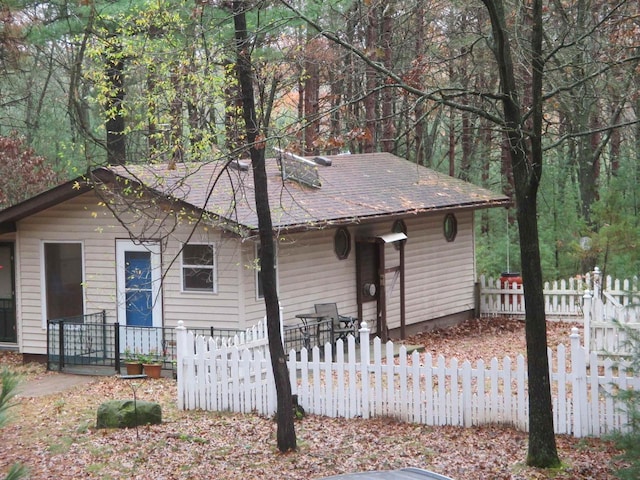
<point x="346" y="221"/>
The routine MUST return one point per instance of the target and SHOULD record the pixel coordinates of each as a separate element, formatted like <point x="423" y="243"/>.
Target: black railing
<point x="89" y="341"/>
<point x="308" y="335"/>
<point x="7" y="320"/>
<point x="79" y="340"/>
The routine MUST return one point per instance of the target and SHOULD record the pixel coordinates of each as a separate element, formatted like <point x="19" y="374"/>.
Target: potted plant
<point x="152" y="365"/>
<point x="132" y="362"/>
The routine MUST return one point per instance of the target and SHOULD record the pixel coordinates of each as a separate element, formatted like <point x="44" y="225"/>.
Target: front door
<point x="139" y="296"/>
<point x="7" y="295"/>
<point x="138" y="282"/>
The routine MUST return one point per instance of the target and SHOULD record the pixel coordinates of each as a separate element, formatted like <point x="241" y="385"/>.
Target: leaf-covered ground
<point x="54" y="435"/>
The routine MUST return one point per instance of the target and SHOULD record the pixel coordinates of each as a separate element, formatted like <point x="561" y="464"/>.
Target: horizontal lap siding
<point x="77" y="220"/>
<point x="82" y="220"/>
<point x="314" y="274"/>
<point x="440" y="275"/>
<point x="197" y="309"/>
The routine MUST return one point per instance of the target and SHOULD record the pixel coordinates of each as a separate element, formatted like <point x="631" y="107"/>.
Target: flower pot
<point x="133" y="368"/>
<point x="152" y="370"/>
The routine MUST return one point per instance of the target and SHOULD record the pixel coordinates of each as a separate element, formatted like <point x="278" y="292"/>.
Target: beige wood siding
<point x="83" y="220"/>
<point x="439" y="274"/>
<point x="200" y="309"/>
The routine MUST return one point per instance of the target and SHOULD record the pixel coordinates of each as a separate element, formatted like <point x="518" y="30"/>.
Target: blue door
<point x="139" y="283"/>
<point x="138" y="288"/>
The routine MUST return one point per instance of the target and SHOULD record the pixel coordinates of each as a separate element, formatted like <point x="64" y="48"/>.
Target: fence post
<point x="364" y="367"/>
<point x="596" y="283"/>
<point x="587" y="302"/>
<point x="579" y="386"/>
<point x="181" y="350"/>
<point x="61" y="347"/>
<point x="281" y="324"/>
<point x="116" y="346"/>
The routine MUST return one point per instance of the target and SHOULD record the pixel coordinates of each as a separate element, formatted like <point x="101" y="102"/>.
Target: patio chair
<point x="343" y="325"/>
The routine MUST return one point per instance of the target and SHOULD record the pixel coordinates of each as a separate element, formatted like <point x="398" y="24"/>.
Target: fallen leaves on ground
<point x="55" y="435"/>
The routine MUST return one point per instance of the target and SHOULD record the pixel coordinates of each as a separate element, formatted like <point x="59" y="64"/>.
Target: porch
<point x="90" y="344"/>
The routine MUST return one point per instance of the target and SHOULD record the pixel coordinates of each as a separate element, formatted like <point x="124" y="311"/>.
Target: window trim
<point x="344" y="253"/>
<point x="43" y="277"/>
<point x="213" y="268"/>
<point x="450" y="222"/>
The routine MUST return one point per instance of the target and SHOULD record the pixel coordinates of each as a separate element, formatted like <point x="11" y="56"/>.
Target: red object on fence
<point x="506" y="282"/>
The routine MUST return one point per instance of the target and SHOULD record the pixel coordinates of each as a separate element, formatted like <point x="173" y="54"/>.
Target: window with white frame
<point x="259" y="290"/>
<point x="199" y="268"/>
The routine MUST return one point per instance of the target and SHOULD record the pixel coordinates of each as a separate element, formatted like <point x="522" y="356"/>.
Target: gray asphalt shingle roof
<point x="354" y="188"/>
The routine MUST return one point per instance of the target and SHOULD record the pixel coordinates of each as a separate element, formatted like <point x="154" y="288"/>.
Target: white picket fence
<point x="610" y="312"/>
<point x="366" y="380"/>
<point x="563" y="298"/>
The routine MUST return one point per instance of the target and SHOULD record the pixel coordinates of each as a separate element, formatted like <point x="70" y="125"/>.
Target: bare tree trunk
<point x="452" y="143"/>
<point x="371" y="100"/>
<point x="175" y="136"/>
<point x="527" y="169"/>
<point x="286" y="431"/>
<point x="233" y="104"/>
<point x="388" y="134"/>
<point x="311" y="96"/>
<point x="114" y="125"/>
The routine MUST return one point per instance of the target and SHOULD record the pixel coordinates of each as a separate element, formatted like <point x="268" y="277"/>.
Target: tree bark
<point x="114" y="125"/>
<point x="311" y="95"/>
<point x="371" y="99"/>
<point x="286" y="435"/>
<point x="388" y="131"/>
<point x="526" y="162"/>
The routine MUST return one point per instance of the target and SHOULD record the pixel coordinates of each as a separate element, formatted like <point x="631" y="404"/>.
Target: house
<point x="389" y="241"/>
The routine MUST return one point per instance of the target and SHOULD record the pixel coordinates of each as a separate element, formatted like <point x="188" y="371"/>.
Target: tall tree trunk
<point x="388" y="132"/>
<point x="286" y="434"/>
<point x="371" y="99"/>
<point x="337" y="90"/>
<point x="311" y="95"/>
<point x="452" y="143"/>
<point x="527" y="170"/>
<point x="175" y="111"/>
<point x="420" y="123"/>
<point x="116" y="147"/>
<point x="233" y="104"/>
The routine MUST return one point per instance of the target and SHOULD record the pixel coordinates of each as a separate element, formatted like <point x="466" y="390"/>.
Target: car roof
<point x="402" y="474"/>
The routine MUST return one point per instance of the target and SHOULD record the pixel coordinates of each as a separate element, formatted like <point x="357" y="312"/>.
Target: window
<point x="259" y="289"/>
<point x="63" y="280"/>
<point x="342" y="243"/>
<point x="198" y="268"/>
<point x="450" y="227"/>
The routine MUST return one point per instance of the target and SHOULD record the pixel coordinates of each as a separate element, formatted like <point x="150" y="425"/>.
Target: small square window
<point x="198" y="268"/>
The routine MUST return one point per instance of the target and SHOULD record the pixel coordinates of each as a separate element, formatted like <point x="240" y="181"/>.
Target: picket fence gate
<point x="366" y="380"/>
<point x="610" y="313"/>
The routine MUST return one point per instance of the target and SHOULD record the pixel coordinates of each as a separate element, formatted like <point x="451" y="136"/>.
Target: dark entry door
<point x="7" y="295"/>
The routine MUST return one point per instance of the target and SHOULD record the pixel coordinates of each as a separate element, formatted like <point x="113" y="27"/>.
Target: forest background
<point x="89" y="82"/>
